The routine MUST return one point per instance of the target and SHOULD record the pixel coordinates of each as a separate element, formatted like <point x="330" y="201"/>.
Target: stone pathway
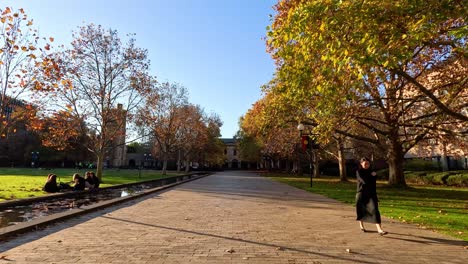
<point x="230" y="217"/>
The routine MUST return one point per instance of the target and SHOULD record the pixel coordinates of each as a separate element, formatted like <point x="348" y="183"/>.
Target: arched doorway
<point x="235" y="164"/>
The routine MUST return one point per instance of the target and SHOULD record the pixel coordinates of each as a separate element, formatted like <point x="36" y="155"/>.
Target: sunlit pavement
<point x="230" y="217"/>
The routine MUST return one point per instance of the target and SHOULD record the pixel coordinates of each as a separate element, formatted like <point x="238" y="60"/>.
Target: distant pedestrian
<point x="367" y="207"/>
<point x="51" y="184"/>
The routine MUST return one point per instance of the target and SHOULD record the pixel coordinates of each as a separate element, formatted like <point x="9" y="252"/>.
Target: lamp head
<point x="300" y="127"/>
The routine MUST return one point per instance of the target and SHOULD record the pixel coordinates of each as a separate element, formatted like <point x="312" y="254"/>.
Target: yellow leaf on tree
<point x="322" y="27"/>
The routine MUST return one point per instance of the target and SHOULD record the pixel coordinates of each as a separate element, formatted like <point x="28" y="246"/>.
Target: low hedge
<point x="449" y="178"/>
<point x="420" y="165"/>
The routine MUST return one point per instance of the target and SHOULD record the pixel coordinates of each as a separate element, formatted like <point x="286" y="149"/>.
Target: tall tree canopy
<point x="26" y="70"/>
<point x="109" y="78"/>
<point x="366" y="64"/>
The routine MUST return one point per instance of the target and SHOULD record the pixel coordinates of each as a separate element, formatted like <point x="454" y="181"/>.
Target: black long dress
<point x="367" y="206"/>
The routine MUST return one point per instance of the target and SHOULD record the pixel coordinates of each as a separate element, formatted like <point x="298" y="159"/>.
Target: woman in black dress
<point x="367" y="206"/>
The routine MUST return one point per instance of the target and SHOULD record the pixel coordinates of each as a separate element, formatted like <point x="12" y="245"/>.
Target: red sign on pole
<point x="305" y="142"/>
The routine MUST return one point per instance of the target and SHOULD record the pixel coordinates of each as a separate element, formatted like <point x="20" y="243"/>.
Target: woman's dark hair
<point x="76" y="176"/>
<point x="52" y="177"/>
<point x="363" y="159"/>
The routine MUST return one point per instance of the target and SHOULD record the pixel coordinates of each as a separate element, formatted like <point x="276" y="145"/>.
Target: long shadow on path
<point x="237" y="239"/>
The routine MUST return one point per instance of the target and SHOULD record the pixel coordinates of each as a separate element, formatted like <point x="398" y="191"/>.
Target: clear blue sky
<point x="212" y="47"/>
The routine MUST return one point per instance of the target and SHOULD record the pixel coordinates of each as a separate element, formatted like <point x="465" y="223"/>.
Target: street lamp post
<point x="309" y="147"/>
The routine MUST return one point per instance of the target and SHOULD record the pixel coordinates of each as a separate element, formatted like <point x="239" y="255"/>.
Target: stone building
<point x="231" y="153"/>
<point x="118" y="152"/>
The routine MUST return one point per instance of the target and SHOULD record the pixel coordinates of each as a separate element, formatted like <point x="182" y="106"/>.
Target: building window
<point x="225" y="151"/>
<point x="235" y="152"/>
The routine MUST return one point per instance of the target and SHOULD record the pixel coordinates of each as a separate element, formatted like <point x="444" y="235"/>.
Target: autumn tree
<point x="192" y="134"/>
<point x="268" y="133"/>
<point x="370" y="61"/>
<point x="26" y="71"/>
<point x="109" y="78"/>
<point x="161" y="117"/>
<point x="212" y="152"/>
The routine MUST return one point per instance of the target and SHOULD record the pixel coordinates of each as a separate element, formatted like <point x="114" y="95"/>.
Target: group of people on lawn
<point x="90" y="182"/>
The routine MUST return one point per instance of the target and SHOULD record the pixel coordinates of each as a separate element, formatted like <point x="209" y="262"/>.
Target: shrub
<point x="458" y="180"/>
<point x="415" y="177"/>
<point x="428" y="179"/>
<point x="382" y="174"/>
<point x="420" y="165"/>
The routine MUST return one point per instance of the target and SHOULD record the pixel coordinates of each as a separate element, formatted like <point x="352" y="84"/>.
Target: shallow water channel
<point x="24" y="213"/>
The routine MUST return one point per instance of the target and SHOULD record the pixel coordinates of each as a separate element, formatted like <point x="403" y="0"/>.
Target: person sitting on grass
<point x="51" y="184"/>
<point x="80" y="183"/>
<point x="90" y="180"/>
<point x="97" y="181"/>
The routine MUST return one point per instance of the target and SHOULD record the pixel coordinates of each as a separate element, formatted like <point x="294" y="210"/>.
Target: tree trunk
<point x="164" y="168"/>
<point x="99" y="165"/>
<point x="396" y="176"/>
<point x="316" y="164"/>
<point x="443" y="158"/>
<point x="300" y="172"/>
<point x="342" y="161"/>
<point x="288" y="166"/>
<point x="179" y="162"/>
<point x="187" y="165"/>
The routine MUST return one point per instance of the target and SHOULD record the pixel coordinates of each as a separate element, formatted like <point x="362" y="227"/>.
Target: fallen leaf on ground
<point x="348" y="250"/>
<point x="230" y="250"/>
<point x="279" y="248"/>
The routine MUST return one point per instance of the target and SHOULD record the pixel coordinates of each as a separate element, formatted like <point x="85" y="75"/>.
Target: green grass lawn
<point x="443" y="209"/>
<point x="22" y="182"/>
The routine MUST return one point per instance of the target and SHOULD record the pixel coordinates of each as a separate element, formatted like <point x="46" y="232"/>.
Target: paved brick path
<point x="230" y="217"/>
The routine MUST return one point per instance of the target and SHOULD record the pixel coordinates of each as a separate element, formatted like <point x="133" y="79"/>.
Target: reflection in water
<point x="18" y="214"/>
